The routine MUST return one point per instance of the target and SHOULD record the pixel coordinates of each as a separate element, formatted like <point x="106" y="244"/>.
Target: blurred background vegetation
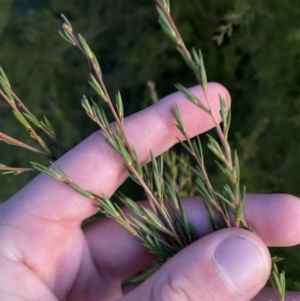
<point x="255" y="53"/>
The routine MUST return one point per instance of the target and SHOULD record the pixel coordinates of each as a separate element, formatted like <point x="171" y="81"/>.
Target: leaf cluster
<point x="30" y="123"/>
<point x="163" y="226"/>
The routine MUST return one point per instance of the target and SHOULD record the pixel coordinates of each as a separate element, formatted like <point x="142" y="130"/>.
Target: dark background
<point x="259" y="64"/>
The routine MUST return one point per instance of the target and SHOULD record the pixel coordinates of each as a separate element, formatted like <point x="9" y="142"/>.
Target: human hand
<point x="46" y="255"/>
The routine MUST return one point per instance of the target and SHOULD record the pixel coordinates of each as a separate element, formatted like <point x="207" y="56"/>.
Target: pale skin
<point x="46" y="255"/>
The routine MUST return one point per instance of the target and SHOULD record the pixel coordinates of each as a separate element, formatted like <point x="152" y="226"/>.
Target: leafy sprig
<point x="162" y="225"/>
<point x="14" y="170"/>
<point x="277" y="280"/>
<point x="163" y="228"/>
<point x="231" y="198"/>
<point x="29" y="122"/>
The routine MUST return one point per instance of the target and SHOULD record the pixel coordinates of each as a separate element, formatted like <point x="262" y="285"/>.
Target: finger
<point x="228" y="265"/>
<point x="94" y="166"/>
<point x="272" y="217"/>
<point x="20" y="283"/>
<point x="275" y="218"/>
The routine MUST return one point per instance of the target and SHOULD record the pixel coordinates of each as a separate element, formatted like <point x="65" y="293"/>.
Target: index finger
<point x="94" y="166"/>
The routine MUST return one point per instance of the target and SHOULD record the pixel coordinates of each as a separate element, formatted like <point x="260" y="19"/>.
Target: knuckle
<point x="171" y="288"/>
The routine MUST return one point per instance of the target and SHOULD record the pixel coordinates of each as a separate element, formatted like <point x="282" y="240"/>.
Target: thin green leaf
<point x="87" y="107"/>
<point x="112" y="144"/>
<point x="239" y="212"/>
<point x="8" y="93"/>
<point x="66" y="37"/>
<point x="119" y="105"/>
<point x="4" y="78"/>
<point x="176" y="113"/>
<point x="156" y="222"/>
<point x="198" y="149"/>
<point x="130" y="204"/>
<point x="102" y="117"/>
<point x="85" y="46"/>
<point x="31" y="118"/>
<point x="58" y="170"/>
<point x="136" y="162"/>
<point x="191" y="97"/>
<point x="47" y="125"/>
<point x="225" y="200"/>
<point x="22" y="120"/>
<point x="166" y="26"/>
<point x="198" y="59"/>
<point x="141" y="225"/>
<point x="46" y="170"/>
<point x="97" y="88"/>
<point x="125" y="155"/>
<point x="83" y="192"/>
<point x="66" y="20"/>
<point x="228" y="192"/>
<point x="127" y="227"/>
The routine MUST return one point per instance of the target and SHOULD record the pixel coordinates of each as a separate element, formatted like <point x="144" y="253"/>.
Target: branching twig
<point x="9" y="140"/>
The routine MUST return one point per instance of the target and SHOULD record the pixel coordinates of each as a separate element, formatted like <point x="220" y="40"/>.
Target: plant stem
<point x="7" y="139"/>
<point x="50" y="135"/>
<point x="16" y="169"/>
<point x="153" y="202"/>
<point x="29" y="128"/>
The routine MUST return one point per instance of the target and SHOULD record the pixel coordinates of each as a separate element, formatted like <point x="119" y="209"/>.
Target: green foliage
<point x="5" y="6"/>
<point x="257" y="61"/>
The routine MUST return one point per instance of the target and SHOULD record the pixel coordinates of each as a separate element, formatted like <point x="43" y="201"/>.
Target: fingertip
<point x="218" y="89"/>
<point x="195" y="119"/>
<point x="275" y="218"/>
<point x="243" y="261"/>
<point x="227" y="265"/>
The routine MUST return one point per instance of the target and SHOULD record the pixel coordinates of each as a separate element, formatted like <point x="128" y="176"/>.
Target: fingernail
<point x="241" y="262"/>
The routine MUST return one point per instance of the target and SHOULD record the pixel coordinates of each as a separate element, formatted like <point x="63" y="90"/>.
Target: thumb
<point x="227" y="265"/>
